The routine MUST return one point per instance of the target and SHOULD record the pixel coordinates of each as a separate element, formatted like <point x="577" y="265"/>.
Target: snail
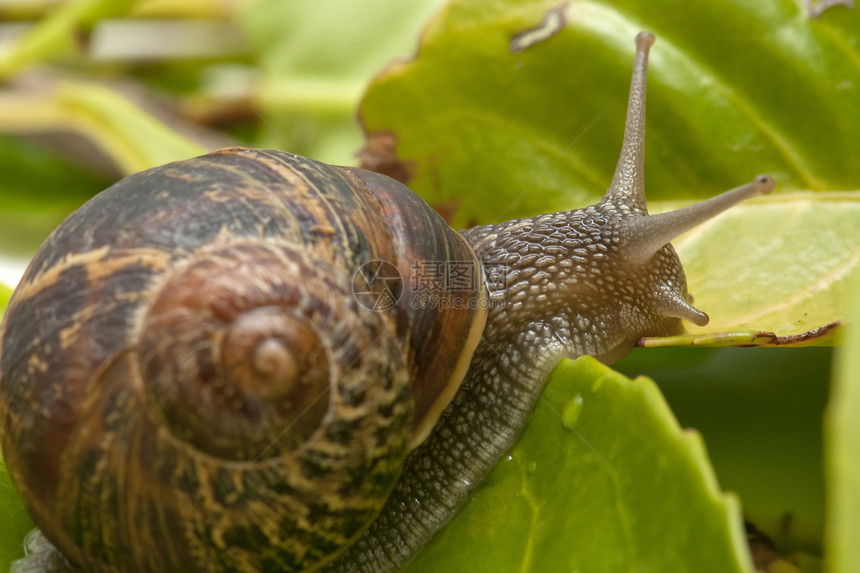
<point x="192" y="377"/>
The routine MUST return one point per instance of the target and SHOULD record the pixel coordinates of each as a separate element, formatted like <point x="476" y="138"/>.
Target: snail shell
<point x="192" y="379"/>
<point x="193" y="343"/>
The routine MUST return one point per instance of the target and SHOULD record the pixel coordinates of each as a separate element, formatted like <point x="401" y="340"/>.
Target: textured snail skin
<point x="589" y="281"/>
<point x="187" y="382"/>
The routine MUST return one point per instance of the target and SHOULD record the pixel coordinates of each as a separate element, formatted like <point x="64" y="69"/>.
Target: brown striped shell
<point x="188" y="376"/>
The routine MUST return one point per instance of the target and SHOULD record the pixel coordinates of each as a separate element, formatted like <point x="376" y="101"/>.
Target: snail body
<point x="190" y="381"/>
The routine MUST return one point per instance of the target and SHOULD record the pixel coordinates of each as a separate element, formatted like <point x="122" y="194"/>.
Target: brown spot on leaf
<point x="805" y="337"/>
<point x="746" y="338"/>
<point x="379" y="154"/>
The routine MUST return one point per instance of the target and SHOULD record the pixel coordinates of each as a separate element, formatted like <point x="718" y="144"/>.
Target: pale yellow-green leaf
<point x="778" y="263"/>
<point x="842" y="450"/>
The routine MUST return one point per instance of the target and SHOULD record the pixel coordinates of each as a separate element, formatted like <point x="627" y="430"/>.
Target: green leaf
<point x="603" y="479"/>
<point x="37" y="191"/>
<point x="779" y="263"/>
<point x="35" y="179"/>
<point x="15" y="523"/>
<point x="759" y="411"/>
<point x="732" y="91"/>
<point x="842" y="426"/>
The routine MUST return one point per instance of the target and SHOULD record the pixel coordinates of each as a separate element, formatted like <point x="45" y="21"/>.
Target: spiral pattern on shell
<point x="190" y="384"/>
